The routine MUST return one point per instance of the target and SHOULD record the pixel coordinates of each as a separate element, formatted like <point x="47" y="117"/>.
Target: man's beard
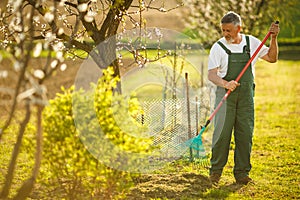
<point x="229" y="40"/>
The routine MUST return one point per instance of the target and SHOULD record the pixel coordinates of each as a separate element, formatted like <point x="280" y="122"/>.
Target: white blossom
<point x="3" y="74"/>
<point x="60" y="56"/>
<point x="21" y="36"/>
<point x="58" y="46"/>
<point x="46" y="45"/>
<point x="17" y="66"/>
<point x="63" y="67"/>
<point x="36" y="19"/>
<point x="54" y="64"/>
<point x="39" y="74"/>
<point x="62" y="2"/>
<point x="49" y="17"/>
<point x="37" y="49"/>
<point x="62" y="17"/>
<point x="50" y="37"/>
<point x="15" y="3"/>
<point x="89" y="17"/>
<point x="17" y="51"/>
<point x="82" y="7"/>
<point x="18" y="28"/>
<point x="60" y="31"/>
<point x="162" y="9"/>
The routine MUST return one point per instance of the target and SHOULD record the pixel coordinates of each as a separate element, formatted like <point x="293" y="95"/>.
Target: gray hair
<point x="231" y="17"/>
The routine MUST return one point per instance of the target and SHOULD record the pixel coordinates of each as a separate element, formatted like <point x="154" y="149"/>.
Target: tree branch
<point x="68" y="3"/>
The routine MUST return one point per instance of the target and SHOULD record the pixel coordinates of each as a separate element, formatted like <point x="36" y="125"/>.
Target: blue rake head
<point x="194" y="143"/>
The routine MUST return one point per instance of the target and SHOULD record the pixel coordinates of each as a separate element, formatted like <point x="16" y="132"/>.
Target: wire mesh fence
<point x="166" y="121"/>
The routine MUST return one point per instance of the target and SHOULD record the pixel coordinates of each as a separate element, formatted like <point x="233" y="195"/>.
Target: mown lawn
<point x="275" y="157"/>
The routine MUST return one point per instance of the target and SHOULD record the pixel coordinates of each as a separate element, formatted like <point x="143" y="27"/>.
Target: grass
<point x="275" y="156"/>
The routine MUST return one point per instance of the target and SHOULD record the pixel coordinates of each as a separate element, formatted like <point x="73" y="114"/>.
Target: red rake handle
<point x="237" y="79"/>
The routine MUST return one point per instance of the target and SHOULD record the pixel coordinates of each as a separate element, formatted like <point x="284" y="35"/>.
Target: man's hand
<point x="213" y="77"/>
<point x="231" y="85"/>
<point x="274" y="29"/>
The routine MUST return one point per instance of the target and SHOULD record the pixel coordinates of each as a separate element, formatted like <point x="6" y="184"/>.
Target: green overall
<point x="237" y="115"/>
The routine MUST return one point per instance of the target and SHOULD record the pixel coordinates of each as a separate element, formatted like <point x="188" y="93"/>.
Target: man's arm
<point x="272" y="55"/>
<point x="213" y="77"/>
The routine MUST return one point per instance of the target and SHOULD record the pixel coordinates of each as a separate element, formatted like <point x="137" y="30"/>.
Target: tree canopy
<point x="204" y="16"/>
<point x="55" y="30"/>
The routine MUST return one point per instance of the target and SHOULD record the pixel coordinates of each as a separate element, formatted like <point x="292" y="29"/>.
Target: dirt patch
<point x="170" y="186"/>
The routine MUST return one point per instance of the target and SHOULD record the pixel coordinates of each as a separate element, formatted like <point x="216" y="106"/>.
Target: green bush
<point x="117" y="117"/>
<point x="69" y="168"/>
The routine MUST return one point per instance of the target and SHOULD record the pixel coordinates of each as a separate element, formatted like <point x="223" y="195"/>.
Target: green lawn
<point x="275" y="158"/>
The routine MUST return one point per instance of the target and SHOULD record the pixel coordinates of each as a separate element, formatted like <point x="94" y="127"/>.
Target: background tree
<point x="56" y="30"/>
<point x="204" y="16"/>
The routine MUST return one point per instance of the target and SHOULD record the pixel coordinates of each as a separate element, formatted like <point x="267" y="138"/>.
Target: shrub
<point x="70" y="168"/>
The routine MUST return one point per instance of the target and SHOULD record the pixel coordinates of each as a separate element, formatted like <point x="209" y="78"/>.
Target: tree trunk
<point x="28" y="185"/>
<point x="12" y="165"/>
<point x="107" y="48"/>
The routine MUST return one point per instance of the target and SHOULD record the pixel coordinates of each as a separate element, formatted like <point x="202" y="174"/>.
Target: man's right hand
<point x="231" y="85"/>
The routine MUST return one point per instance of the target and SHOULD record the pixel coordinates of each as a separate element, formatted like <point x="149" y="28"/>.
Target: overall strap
<point x="247" y="48"/>
<point x="223" y="46"/>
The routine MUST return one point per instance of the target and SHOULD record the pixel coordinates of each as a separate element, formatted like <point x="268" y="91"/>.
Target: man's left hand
<point x="274" y="29"/>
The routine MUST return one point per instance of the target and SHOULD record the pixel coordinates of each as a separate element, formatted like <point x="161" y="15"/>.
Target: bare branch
<point x="68" y="3"/>
<point x="160" y="9"/>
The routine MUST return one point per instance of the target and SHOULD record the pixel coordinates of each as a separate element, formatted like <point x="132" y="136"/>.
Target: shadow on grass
<point x="179" y="186"/>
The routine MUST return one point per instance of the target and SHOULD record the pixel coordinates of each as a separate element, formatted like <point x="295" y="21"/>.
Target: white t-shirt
<point x="218" y="58"/>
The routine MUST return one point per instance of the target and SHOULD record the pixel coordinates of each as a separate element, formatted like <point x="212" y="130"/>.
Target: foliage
<point x="68" y="165"/>
<point x="112" y="123"/>
<point x="204" y="16"/>
<point x="114" y="113"/>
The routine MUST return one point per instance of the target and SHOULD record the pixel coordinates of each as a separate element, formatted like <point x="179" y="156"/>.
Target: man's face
<point x="230" y="32"/>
